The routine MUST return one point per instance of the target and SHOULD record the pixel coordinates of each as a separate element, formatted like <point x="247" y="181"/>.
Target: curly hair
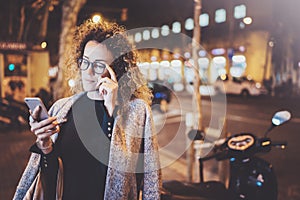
<point x="113" y="36"/>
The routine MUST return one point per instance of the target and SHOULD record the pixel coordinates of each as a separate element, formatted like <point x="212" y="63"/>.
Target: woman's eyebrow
<point x="95" y="60"/>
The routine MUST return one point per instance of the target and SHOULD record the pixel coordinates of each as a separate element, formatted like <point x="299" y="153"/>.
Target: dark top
<point x="84" y="149"/>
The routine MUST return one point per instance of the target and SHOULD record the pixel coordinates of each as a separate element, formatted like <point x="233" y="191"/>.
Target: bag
<point x="36" y="192"/>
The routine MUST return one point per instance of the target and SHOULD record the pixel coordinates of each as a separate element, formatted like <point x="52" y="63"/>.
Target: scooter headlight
<point x="241" y="142"/>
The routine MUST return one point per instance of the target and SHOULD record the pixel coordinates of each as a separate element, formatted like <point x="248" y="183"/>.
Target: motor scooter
<point x="250" y="177"/>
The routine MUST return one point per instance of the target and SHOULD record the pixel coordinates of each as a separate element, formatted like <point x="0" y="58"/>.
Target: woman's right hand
<point x="43" y="130"/>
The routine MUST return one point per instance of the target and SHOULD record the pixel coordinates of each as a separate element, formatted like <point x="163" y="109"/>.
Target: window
<point x="189" y="24"/>
<point x="138" y="37"/>
<point x="155" y="33"/>
<point x="146" y="34"/>
<point x="204" y="20"/>
<point x="176" y="27"/>
<point x="165" y="30"/>
<point x="240" y="11"/>
<point x="220" y="15"/>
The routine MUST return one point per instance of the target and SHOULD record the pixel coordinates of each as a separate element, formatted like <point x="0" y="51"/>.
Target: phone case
<point x="33" y="102"/>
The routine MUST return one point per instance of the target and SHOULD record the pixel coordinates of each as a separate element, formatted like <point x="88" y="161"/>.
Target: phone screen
<point x="33" y="102"/>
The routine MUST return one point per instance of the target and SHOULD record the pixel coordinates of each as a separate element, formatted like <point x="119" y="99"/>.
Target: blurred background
<point x="249" y="50"/>
<point x="256" y="40"/>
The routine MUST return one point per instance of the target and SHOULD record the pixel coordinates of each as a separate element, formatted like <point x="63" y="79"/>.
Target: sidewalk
<point x="14" y="156"/>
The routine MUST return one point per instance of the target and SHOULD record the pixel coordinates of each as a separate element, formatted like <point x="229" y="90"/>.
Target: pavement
<point x="14" y="156"/>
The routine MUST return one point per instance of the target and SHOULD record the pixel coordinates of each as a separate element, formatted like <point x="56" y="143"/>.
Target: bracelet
<point x="44" y="148"/>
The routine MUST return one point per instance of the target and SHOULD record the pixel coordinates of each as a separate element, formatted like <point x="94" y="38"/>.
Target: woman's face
<point x="94" y="52"/>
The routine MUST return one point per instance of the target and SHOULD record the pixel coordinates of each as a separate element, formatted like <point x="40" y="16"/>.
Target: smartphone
<point x="33" y="102"/>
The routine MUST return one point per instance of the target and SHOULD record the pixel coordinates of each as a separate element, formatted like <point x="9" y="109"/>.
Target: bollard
<point x="223" y="166"/>
<point x="189" y="122"/>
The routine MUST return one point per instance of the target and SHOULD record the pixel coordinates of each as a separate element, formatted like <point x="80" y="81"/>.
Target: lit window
<point x="155" y="33"/>
<point x="146" y="34"/>
<point x="220" y="16"/>
<point x="219" y="61"/>
<point x="138" y="37"/>
<point x="204" y="20"/>
<point x="240" y="11"/>
<point x="165" y="30"/>
<point x="203" y="63"/>
<point x="176" y="27"/>
<point x="165" y="63"/>
<point x="189" y="24"/>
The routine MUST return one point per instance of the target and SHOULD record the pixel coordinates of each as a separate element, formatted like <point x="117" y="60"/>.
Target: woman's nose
<point x="90" y="70"/>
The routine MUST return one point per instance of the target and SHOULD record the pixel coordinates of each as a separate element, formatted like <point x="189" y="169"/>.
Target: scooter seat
<point x="196" y="191"/>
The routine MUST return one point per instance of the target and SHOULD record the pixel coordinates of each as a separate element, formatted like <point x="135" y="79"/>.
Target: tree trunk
<point x="22" y="22"/>
<point x="70" y="11"/>
<point x="197" y="110"/>
<point x="44" y="22"/>
<point x="196" y="47"/>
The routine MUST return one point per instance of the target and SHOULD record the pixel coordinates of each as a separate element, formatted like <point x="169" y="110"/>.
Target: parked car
<point x="239" y="86"/>
<point x="13" y="115"/>
<point x="162" y="93"/>
<point x="205" y="89"/>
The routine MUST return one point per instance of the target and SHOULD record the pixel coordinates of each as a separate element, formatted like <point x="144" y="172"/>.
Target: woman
<point x="104" y="136"/>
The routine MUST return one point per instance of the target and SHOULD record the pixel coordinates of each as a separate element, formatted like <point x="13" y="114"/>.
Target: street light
<point x="96" y="18"/>
<point x="44" y="45"/>
<point x="247" y="20"/>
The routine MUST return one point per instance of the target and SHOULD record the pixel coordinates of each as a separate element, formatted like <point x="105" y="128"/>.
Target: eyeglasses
<point x="97" y="66"/>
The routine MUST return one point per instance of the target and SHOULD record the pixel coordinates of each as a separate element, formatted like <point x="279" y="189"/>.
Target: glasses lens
<point x="83" y="64"/>
<point x="99" y="67"/>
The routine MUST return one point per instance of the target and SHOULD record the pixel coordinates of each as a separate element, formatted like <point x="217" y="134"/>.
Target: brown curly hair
<point x="116" y="41"/>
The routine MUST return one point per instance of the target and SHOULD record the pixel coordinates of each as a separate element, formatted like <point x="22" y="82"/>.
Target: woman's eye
<point x="100" y="65"/>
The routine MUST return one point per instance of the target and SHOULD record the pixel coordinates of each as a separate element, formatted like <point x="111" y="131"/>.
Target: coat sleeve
<point x="152" y="175"/>
<point x="28" y="176"/>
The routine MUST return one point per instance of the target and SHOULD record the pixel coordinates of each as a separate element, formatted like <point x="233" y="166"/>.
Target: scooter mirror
<point x="281" y="117"/>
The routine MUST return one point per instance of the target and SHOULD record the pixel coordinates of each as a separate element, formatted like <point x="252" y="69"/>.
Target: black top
<point x="84" y="149"/>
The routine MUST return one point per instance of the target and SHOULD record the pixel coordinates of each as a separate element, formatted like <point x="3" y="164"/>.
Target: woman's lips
<point x="91" y="81"/>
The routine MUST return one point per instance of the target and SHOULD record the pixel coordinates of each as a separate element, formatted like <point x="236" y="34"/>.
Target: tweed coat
<point x="124" y="153"/>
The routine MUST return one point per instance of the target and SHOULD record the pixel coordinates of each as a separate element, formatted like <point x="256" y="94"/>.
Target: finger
<point x="46" y="135"/>
<point x="51" y="128"/>
<point x="107" y="81"/>
<point x="35" y="113"/>
<point x="103" y="89"/>
<point x="103" y="80"/>
<point x="31" y="120"/>
<point x="111" y="72"/>
<point x="37" y="125"/>
<point x="106" y="88"/>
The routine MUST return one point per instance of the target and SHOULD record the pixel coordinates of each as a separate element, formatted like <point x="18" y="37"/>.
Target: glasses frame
<point x="93" y="64"/>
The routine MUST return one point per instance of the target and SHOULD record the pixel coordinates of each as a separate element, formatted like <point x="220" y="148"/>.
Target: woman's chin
<point x="89" y="88"/>
<point x="95" y="95"/>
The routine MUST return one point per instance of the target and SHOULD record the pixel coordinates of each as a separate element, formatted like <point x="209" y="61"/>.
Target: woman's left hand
<point x="109" y="90"/>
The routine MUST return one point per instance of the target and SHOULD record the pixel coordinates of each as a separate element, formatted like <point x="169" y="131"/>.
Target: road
<point x="252" y="115"/>
<point x="243" y="115"/>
